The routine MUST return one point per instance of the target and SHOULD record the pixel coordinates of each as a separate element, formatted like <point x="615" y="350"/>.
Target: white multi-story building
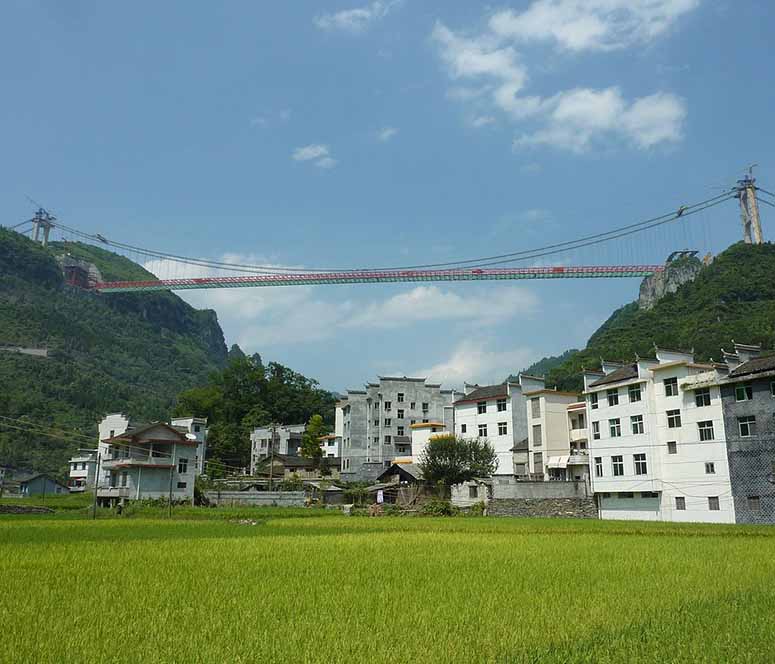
<point x="197" y="427"/>
<point x="287" y="442"/>
<point x="657" y="442"/>
<point x="497" y="413"/>
<point x="83" y="472"/>
<point x="329" y="445"/>
<point x="548" y="434"/>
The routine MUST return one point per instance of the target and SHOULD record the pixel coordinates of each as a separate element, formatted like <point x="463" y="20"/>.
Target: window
<point x="671" y="387"/>
<point x="376" y="423"/>
<point x="387" y="421"/>
<point x="463" y="428"/>
<point x="625" y="494"/>
<point x="636" y="422"/>
<point x="473" y="491"/>
<point x="641" y="467"/>
<point x="598" y="466"/>
<point x="744" y="393"/>
<point x="124" y="478"/>
<point x="388" y="440"/>
<point x="596" y="430"/>
<point x="481" y="407"/>
<point x="538" y="463"/>
<point x="197" y="429"/>
<point x="425" y="421"/>
<point x="680" y="503"/>
<point x="501" y="405"/>
<point x="535" y="407"/>
<point x="706" y="430"/>
<point x="615" y="427"/>
<point x="747" y="426"/>
<point x="672" y="447"/>
<point x="400" y="397"/>
<point x="605" y="494"/>
<point x="710" y="468"/>
<point x="425" y="408"/>
<point x="702" y="397"/>
<point x="412" y="421"/>
<point x="593" y="401"/>
<point x="754" y="503"/>
<point x="388" y="405"/>
<point x="617" y="464"/>
<point x="412" y="405"/>
<point x="713" y="504"/>
<point x="649" y="494"/>
<point x="112" y="433"/>
<point x="400" y="414"/>
<point x="503" y="428"/>
<point x="182" y="466"/>
<point x="399" y="431"/>
<point x="537" y="439"/>
<point x="673" y="419"/>
<point x="613" y="397"/>
<point x="182" y="485"/>
<point x="376" y="439"/>
<point x="634" y="391"/>
<point x="376" y="408"/>
<point x="772" y="389"/>
<point x="482" y="431"/>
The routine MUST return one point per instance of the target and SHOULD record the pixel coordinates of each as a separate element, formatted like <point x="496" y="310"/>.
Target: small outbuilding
<point x="41" y="485"/>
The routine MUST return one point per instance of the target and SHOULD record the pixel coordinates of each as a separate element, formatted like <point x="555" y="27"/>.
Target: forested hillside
<point x="128" y="352"/>
<point x="732" y="298"/>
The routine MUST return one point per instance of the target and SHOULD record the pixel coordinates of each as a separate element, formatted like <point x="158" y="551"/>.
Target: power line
<point x="765" y="191"/>
<point x="765" y="201"/>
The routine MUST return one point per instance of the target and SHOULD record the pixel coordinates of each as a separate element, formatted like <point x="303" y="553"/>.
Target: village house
<point x="156" y="460"/>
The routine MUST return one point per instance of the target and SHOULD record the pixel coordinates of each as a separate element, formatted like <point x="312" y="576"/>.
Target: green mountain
<point x="731" y="298"/>
<point x="544" y="365"/>
<point x="129" y="352"/>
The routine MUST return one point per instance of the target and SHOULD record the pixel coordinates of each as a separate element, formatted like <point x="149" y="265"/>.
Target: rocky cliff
<point x="677" y="272"/>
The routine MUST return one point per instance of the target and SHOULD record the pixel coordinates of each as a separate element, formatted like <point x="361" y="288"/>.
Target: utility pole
<point x="749" y="209"/>
<point x="271" y="453"/>
<point x="96" y="485"/>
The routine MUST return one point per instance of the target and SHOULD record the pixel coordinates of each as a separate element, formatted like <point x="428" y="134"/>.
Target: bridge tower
<point x="42" y="222"/>
<point x="749" y="209"/>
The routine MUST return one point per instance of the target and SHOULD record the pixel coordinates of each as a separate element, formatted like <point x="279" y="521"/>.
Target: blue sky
<point x="345" y="134"/>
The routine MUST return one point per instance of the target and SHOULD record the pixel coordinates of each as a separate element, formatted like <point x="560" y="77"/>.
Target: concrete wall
<point x="752" y="458"/>
<point x="539" y="490"/>
<point x="256" y="498"/>
<point x="568" y="508"/>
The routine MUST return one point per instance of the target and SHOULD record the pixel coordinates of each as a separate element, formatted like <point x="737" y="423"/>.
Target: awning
<point x="558" y="462"/>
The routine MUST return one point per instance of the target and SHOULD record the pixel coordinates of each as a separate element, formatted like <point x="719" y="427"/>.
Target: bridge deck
<point x="373" y="277"/>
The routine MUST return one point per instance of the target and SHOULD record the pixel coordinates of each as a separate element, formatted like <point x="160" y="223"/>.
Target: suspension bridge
<point x="201" y="273"/>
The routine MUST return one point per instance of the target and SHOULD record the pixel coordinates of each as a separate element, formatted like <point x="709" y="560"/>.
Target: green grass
<point x="338" y="589"/>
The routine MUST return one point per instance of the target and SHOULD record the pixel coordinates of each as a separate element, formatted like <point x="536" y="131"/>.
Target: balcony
<point x="578" y="434"/>
<point x="113" y="492"/>
<point x="578" y="458"/>
<point x="136" y="460"/>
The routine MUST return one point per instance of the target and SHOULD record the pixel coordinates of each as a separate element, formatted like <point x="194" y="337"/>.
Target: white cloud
<point x="579" y="25"/>
<point x="386" y="133"/>
<point x="358" y="19"/>
<point x="532" y="168"/>
<point x="489" y="72"/>
<point x="319" y="154"/>
<point x="426" y="303"/>
<point x="309" y="152"/>
<point x="268" y="316"/>
<point x="326" y="162"/>
<point x="478" y="361"/>
<point x="482" y="121"/>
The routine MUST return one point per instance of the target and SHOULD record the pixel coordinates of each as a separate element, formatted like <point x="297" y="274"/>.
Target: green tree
<point x="450" y="460"/>
<point x="310" y="441"/>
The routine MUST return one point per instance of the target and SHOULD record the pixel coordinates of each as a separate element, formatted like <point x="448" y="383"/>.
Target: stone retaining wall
<point x="256" y="498"/>
<point x="568" y="508"/>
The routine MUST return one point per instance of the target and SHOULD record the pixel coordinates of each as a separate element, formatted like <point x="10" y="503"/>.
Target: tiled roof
<point x="754" y="366"/>
<point x="622" y="373"/>
<point x="484" y="393"/>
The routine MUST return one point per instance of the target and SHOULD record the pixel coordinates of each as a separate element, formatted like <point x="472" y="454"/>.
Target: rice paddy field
<point x="391" y="589"/>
